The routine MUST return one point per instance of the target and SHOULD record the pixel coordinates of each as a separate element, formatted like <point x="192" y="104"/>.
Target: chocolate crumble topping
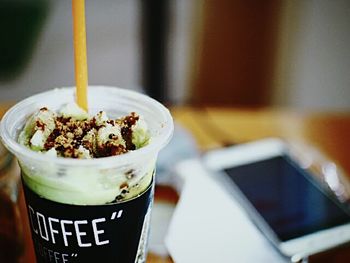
<point x="78" y="138"/>
<point x="126" y="130"/>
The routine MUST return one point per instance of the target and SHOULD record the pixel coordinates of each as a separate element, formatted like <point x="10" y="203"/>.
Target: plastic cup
<point x="79" y="209"/>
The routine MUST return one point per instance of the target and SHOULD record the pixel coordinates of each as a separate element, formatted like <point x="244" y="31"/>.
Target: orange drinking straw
<point x="80" y="60"/>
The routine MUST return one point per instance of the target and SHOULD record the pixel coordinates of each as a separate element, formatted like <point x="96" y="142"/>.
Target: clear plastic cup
<point x="65" y="196"/>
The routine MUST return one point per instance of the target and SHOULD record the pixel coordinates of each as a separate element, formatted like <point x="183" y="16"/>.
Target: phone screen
<point x="287" y="197"/>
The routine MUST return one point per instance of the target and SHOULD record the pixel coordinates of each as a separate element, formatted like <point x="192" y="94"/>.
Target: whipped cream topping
<point x="73" y="133"/>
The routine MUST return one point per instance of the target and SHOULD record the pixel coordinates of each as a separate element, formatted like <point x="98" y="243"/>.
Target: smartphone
<point x="292" y="208"/>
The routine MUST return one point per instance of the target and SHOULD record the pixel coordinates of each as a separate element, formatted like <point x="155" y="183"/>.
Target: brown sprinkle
<point x="69" y="134"/>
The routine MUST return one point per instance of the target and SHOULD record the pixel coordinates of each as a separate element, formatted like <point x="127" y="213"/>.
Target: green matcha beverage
<point x="88" y="177"/>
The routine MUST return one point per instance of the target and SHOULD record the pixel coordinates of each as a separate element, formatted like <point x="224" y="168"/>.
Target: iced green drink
<point x="88" y="176"/>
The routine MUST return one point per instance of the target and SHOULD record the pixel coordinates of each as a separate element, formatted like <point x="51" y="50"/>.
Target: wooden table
<point x="329" y="132"/>
<point x="217" y="127"/>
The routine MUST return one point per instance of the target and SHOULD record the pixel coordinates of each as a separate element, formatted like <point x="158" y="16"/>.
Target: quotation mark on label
<point x="74" y="255"/>
<point x="120" y="212"/>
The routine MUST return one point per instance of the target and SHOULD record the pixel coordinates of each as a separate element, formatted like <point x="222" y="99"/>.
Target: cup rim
<point x="20" y="151"/>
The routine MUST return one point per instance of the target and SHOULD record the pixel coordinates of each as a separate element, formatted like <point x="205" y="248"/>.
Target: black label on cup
<point x="65" y="233"/>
